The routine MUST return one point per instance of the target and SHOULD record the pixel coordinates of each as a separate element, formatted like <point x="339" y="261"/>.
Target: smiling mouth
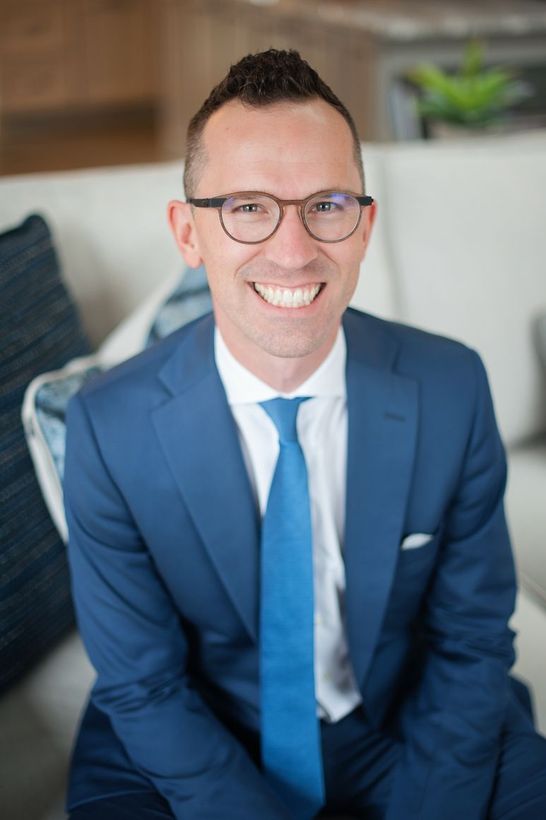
<point x="286" y="297"/>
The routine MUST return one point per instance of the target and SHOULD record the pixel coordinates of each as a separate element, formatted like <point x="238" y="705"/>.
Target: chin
<point x="290" y="345"/>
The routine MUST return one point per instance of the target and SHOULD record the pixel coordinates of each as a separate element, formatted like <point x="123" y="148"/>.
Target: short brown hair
<point x="258" y="80"/>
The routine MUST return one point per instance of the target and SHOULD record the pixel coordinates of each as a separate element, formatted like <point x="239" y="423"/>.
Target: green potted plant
<point x="473" y="99"/>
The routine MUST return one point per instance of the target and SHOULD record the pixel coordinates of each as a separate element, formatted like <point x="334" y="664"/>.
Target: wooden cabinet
<point x="67" y="54"/>
<point x="202" y="38"/>
<point x="120" y="50"/>
<point x="32" y="70"/>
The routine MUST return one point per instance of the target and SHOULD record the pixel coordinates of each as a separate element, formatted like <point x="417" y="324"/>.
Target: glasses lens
<point x="332" y="216"/>
<point x="251" y="217"/>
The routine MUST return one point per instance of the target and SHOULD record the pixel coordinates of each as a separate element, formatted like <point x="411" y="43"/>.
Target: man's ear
<point x="180" y="217"/>
<point x="370" y="213"/>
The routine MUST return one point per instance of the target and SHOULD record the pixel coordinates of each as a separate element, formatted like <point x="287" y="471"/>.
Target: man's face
<point x="290" y="151"/>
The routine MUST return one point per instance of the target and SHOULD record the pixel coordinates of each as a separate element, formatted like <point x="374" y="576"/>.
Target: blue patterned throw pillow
<point x="48" y="395"/>
<point x="40" y="330"/>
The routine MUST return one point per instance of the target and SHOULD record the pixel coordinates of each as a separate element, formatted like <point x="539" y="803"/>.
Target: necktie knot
<point x="284" y="413"/>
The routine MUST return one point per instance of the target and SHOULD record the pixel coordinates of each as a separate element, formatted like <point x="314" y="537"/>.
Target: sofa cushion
<point x="468" y="245"/>
<point x="526" y="510"/>
<point x="375" y="291"/>
<point x="172" y="304"/>
<point x="40" y="330"/>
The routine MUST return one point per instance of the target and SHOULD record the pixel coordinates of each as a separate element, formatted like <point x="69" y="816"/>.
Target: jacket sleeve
<point x="137" y="645"/>
<point x="452" y="720"/>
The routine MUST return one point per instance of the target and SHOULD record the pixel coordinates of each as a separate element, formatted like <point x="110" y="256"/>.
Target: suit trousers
<point x="359" y="764"/>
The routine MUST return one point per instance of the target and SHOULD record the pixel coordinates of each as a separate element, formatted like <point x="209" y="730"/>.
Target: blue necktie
<point x="291" y="752"/>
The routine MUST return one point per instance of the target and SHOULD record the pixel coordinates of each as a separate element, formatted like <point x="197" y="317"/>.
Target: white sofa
<point x="459" y="248"/>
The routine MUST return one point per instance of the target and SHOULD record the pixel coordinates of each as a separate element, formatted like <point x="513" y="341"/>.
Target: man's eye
<point x="247" y="209"/>
<point x="325" y="207"/>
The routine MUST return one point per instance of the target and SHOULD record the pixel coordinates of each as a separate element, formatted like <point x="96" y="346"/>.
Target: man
<point x="290" y="561"/>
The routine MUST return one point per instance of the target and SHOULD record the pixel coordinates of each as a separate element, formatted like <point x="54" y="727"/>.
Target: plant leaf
<point x="473" y="96"/>
<point x="472" y="59"/>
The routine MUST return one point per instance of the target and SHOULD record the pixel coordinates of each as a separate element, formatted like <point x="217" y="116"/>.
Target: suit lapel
<point x="199" y="439"/>
<point x="382" y="425"/>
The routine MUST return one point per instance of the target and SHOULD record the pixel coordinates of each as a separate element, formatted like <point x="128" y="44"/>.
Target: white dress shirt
<point x="322" y="432"/>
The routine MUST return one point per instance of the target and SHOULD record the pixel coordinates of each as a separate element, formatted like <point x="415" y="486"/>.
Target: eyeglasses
<point x="251" y="217"/>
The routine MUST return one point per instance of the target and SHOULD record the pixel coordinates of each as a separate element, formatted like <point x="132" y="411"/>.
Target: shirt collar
<point x="243" y="387"/>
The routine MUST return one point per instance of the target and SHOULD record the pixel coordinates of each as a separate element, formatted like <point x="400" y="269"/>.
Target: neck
<point x="285" y="375"/>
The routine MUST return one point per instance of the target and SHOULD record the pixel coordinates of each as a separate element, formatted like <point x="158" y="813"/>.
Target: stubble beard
<point x="290" y="337"/>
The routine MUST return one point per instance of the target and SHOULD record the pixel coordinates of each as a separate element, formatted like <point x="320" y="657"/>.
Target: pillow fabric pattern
<point x="43" y="416"/>
<point x="40" y="331"/>
<point x="46" y="399"/>
<point x="189" y="300"/>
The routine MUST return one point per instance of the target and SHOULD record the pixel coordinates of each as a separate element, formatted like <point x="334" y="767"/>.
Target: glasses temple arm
<point x="211" y="202"/>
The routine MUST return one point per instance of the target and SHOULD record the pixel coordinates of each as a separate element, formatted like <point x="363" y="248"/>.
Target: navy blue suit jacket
<point x="164" y="551"/>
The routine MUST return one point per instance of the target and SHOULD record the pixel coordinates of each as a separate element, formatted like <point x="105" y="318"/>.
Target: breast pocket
<point x="417" y="553"/>
<point x="414" y="569"/>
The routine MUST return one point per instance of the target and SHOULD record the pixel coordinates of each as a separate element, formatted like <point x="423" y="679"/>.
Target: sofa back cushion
<point x="466" y="228"/>
<point x="376" y="289"/>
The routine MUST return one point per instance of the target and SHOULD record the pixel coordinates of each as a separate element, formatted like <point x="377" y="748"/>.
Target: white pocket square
<point x="415" y="540"/>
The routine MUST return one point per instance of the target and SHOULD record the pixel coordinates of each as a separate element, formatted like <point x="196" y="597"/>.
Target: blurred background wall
<point x="100" y="82"/>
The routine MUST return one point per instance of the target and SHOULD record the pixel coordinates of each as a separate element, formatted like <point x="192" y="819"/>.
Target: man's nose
<point x="291" y="246"/>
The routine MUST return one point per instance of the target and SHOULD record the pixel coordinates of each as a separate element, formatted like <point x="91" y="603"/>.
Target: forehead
<point x="289" y="149"/>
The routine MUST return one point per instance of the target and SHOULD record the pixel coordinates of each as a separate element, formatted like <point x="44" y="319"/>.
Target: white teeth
<point x="282" y="297"/>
